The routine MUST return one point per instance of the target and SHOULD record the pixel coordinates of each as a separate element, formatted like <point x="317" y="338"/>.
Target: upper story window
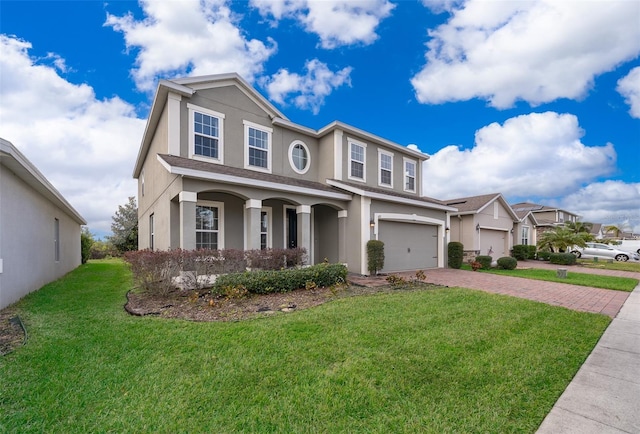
<point x="257" y="147"/>
<point x="205" y="134"/>
<point x="410" y="176"/>
<point x="496" y="210"/>
<point x="357" y="160"/>
<point x="299" y="157"/>
<point x="385" y="169"/>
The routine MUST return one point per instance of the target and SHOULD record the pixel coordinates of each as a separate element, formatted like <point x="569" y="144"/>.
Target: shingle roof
<point x="472" y="203"/>
<point x="203" y="166"/>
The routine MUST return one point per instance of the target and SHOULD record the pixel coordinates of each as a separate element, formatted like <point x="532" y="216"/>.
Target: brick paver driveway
<point x="574" y="297"/>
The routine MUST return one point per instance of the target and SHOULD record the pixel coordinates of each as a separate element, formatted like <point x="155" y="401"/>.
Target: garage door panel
<point x="492" y="243"/>
<point x="408" y="246"/>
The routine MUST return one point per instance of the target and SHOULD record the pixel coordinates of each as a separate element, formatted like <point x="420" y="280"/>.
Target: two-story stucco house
<point x="546" y="217"/>
<point x="220" y="167"/>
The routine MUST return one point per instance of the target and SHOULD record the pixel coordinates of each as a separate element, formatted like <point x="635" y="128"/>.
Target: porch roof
<point x="235" y="175"/>
<point x="389" y="195"/>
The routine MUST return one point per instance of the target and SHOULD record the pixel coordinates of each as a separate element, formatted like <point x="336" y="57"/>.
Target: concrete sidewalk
<point x="604" y="396"/>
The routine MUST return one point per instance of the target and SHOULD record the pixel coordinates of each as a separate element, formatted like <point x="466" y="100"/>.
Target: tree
<point x="86" y="242"/>
<point x="559" y="239"/>
<point x="583" y="229"/>
<point x="617" y="229"/>
<point x="125" y="227"/>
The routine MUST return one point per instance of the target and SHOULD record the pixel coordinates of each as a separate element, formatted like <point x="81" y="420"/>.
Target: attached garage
<point x="408" y="246"/>
<point x="493" y="243"/>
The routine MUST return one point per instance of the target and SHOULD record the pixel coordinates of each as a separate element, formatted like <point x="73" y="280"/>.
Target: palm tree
<point x="560" y="239"/>
<point x="617" y="229"/>
<point x="583" y="229"/>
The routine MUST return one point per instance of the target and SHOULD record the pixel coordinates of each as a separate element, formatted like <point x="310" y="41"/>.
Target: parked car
<point x="596" y="250"/>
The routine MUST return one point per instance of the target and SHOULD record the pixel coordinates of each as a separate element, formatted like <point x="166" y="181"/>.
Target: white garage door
<point x="408" y="246"/>
<point x="493" y="243"/>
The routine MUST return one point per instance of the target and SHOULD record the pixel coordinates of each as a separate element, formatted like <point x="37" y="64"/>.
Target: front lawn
<point x="441" y="360"/>
<point x="574" y="278"/>
<point x="614" y="265"/>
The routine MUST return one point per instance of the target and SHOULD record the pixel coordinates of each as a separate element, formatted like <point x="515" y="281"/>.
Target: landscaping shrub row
<point x="156" y="269"/>
<point x="268" y="281"/>
<point x="562" y="258"/>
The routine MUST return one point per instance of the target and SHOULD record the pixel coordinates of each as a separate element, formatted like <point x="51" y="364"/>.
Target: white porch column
<point x="342" y="236"/>
<point x="252" y="207"/>
<point x="188" y="201"/>
<point x="304" y="228"/>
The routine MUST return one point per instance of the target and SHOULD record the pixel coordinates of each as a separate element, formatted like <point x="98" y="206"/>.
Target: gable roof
<point x="522" y="215"/>
<point x="186" y="87"/>
<point x="476" y="204"/>
<point x="534" y="207"/>
<point x="16" y="162"/>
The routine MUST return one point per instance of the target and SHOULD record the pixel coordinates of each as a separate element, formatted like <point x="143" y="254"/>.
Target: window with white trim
<point x="142" y="182"/>
<point x="152" y="233"/>
<point x="385" y="168"/>
<point x="56" y="239"/>
<point x="209" y="225"/>
<point x="357" y="160"/>
<point x="265" y="228"/>
<point x="524" y="239"/>
<point x="299" y="157"/>
<point x="257" y="140"/>
<point x="496" y="210"/>
<point x="205" y="134"/>
<point x="409" y="175"/>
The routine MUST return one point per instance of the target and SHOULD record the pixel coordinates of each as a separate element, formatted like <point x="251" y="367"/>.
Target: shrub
<point x="455" y="251"/>
<point x="543" y="255"/>
<point x="562" y="258"/>
<point x="86" y="241"/>
<point x="507" y="263"/>
<point x="396" y="280"/>
<point x="521" y="252"/>
<point x="375" y="256"/>
<point x="275" y="259"/>
<point x="485" y="261"/>
<point x="475" y="265"/>
<point x="268" y="281"/>
<point x="531" y="252"/>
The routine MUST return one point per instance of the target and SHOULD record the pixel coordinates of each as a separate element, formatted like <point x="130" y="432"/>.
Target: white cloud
<point x="336" y="22"/>
<point x="189" y="37"/>
<point x="536" y="51"/>
<point x="629" y="88"/>
<point x="84" y="146"/>
<point x="309" y="90"/>
<point x="539" y="154"/>
<point x="608" y="202"/>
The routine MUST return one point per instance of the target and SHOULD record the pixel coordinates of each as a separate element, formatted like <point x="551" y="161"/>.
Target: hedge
<point x="456" y="254"/>
<point x="520" y="252"/>
<point x="507" y="263"/>
<point x="268" y="281"/>
<point x="562" y="258"/>
<point x="485" y="261"/>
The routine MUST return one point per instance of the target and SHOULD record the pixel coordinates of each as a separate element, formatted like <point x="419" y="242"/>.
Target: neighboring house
<point x="220" y="167"/>
<point x="597" y="230"/>
<point x="39" y="230"/>
<point x="483" y="224"/>
<point x="547" y="217"/>
<point x="525" y="230"/>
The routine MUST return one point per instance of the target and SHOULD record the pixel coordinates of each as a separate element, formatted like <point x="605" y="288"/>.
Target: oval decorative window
<point x="299" y="157"/>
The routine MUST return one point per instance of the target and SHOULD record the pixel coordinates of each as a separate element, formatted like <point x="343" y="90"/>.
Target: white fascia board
<point x="231" y="179"/>
<point x="492" y="228"/>
<point x="159" y="100"/>
<point x="285" y="123"/>
<point x="372" y="137"/>
<point x="25" y="170"/>
<point x="389" y="198"/>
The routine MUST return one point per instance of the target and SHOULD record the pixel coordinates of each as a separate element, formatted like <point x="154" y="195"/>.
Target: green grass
<point x="574" y="278"/>
<point x="443" y="360"/>
<point x="615" y="265"/>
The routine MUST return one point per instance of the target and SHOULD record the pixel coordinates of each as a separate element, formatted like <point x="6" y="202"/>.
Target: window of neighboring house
<point x="257" y="146"/>
<point x="560" y="216"/>
<point x="152" y="234"/>
<point x="265" y="228"/>
<point x="299" y="157"/>
<point x="385" y="161"/>
<point x="410" y="176"/>
<point x="205" y="134"/>
<point x="525" y="235"/>
<point x="357" y="160"/>
<point x="56" y="239"/>
<point x="209" y="225"/>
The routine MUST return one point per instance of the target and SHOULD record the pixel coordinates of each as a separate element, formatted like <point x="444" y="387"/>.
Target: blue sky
<point x="537" y="100"/>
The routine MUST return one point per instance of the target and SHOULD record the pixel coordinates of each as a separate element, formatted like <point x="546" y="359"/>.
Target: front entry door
<point x="292" y="228"/>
